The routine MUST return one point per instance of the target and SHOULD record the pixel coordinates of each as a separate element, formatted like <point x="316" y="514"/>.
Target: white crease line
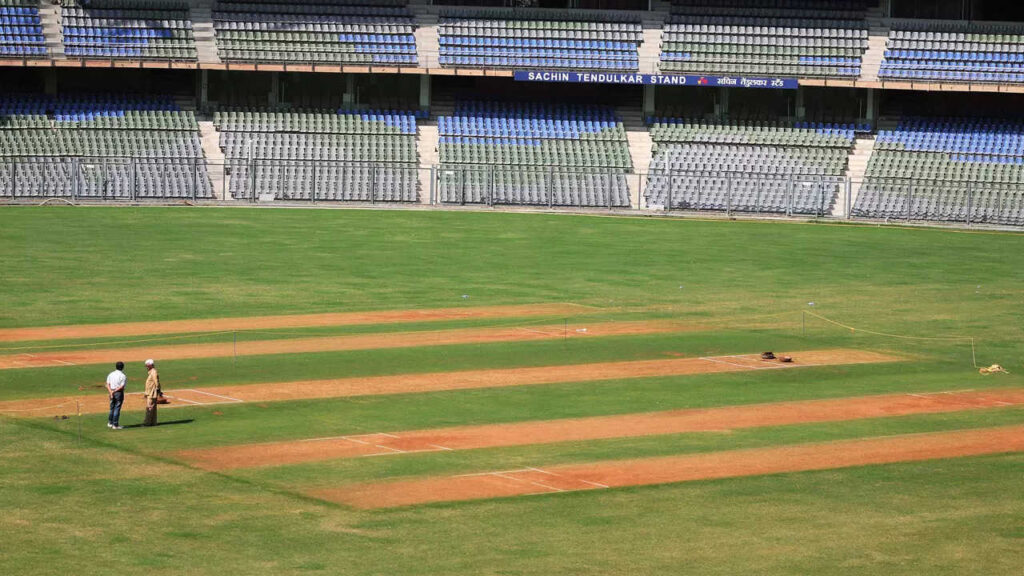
<point x="183" y="400"/>
<point x="539" y="332"/>
<point x="351" y="439"/>
<point x="403" y="452"/>
<point x="214" y="395"/>
<point x="390" y="448"/>
<point x="528" y="482"/>
<point x="744" y="366"/>
<point x="598" y="484"/>
<point x="491" y="473"/>
<point x="323" y="439"/>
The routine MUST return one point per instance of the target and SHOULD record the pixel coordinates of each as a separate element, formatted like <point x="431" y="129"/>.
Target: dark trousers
<point x="150" y="419"/>
<point x="116" y="400"/>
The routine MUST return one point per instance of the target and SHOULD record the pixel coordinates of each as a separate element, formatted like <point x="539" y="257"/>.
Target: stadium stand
<point x="316" y="31"/>
<point x="103" y="147"/>
<point x="21" y="30"/>
<point x="747" y="165"/>
<point x="946" y="169"/>
<point x="794" y="38"/>
<point x="533" y="154"/>
<point x="347" y="155"/>
<point x="131" y="29"/>
<point x="539" y="38"/>
<point x="954" y="52"/>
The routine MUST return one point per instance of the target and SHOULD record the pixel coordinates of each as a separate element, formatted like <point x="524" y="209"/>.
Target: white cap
<point x="150" y="362"/>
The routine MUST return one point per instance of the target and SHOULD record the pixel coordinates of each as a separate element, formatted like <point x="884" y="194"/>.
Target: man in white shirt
<point x="115" y="389"/>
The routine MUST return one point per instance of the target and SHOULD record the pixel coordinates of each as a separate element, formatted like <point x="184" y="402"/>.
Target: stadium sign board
<point x="655" y="79"/>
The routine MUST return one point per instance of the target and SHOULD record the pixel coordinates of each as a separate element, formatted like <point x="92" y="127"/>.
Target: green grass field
<point x="78" y="498"/>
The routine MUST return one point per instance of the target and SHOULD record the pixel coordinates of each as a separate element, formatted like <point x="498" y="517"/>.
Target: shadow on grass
<point x="168" y="423"/>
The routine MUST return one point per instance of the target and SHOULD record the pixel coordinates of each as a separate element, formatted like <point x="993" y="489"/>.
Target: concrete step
<point x="426" y="146"/>
<point x="427" y="44"/>
<point x="641" y="148"/>
<point x="857" y="166"/>
<point x="649" y="51"/>
<point x="873" y="57"/>
<point x="50" y="14"/>
<point x="205" y="36"/>
<point x="210" y="138"/>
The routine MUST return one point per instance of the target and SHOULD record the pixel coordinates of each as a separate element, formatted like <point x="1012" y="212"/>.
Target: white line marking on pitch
<point x="527" y="482"/>
<point x="389" y="448"/>
<point x="214" y="395"/>
<point x="183" y="400"/>
<point x="744" y="366"/>
<point x="598" y="484"/>
<point x="491" y="473"/>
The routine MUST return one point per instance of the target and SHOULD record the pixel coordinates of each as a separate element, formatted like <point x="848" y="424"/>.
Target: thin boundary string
<point x="970" y="339"/>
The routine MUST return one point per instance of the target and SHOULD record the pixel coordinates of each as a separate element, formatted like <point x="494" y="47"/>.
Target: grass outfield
<point x="120" y="501"/>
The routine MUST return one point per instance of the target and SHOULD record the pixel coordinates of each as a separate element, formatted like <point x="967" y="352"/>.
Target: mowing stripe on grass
<point x="341" y="343"/>
<point x="470" y="379"/>
<point x="671" y="469"/>
<point x="290" y="321"/>
<point x="596" y="428"/>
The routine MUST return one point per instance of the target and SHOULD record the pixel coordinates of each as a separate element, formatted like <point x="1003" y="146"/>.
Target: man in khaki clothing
<point x="152" y="393"/>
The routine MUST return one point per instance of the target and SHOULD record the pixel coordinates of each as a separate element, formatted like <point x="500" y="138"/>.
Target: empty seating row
<point x="328" y="31"/>
<point x="765" y="132"/>
<point x="21" y="29"/>
<point x="356" y="122"/>
<point x="533" y="154"/>
<point x="723" y="37"/>
<point x="323" y="181"/>
<point x="501" y="186"/>
<point x="103" y="146"/>
<point x="345" y="155"/>
<point x="127" y="29"/>
<point x="954" y="52"/>
<point x="538" y="38"/>
<point x="954" y="169"/>
<point x="794" y="168"/>
<point x="105" y="178"/>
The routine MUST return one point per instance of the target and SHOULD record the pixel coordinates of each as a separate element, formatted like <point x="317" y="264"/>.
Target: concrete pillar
<point x="871" y="108"/>
<point x="50" y="82"/>
<point x="349" y="98"/>
<point x="202" y="89"/>
<point x="648" y="105"/>
<point x="799" y="110"/>
<point x="274" y="96"/>
<point x="425" y="92"/>
<point x="722" y="105"/>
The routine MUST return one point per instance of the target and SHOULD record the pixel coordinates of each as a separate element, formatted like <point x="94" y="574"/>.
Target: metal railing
<point x="316" y="181"/>
<point x="104" y="178"/>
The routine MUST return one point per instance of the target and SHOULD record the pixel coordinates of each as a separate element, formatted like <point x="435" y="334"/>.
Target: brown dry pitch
<point x="671" y="469"/>
<point x="278" y="322"/>
<point x="596" y="428"/>
<point x="440" y="381"/>
<point x="339" y="343"/>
